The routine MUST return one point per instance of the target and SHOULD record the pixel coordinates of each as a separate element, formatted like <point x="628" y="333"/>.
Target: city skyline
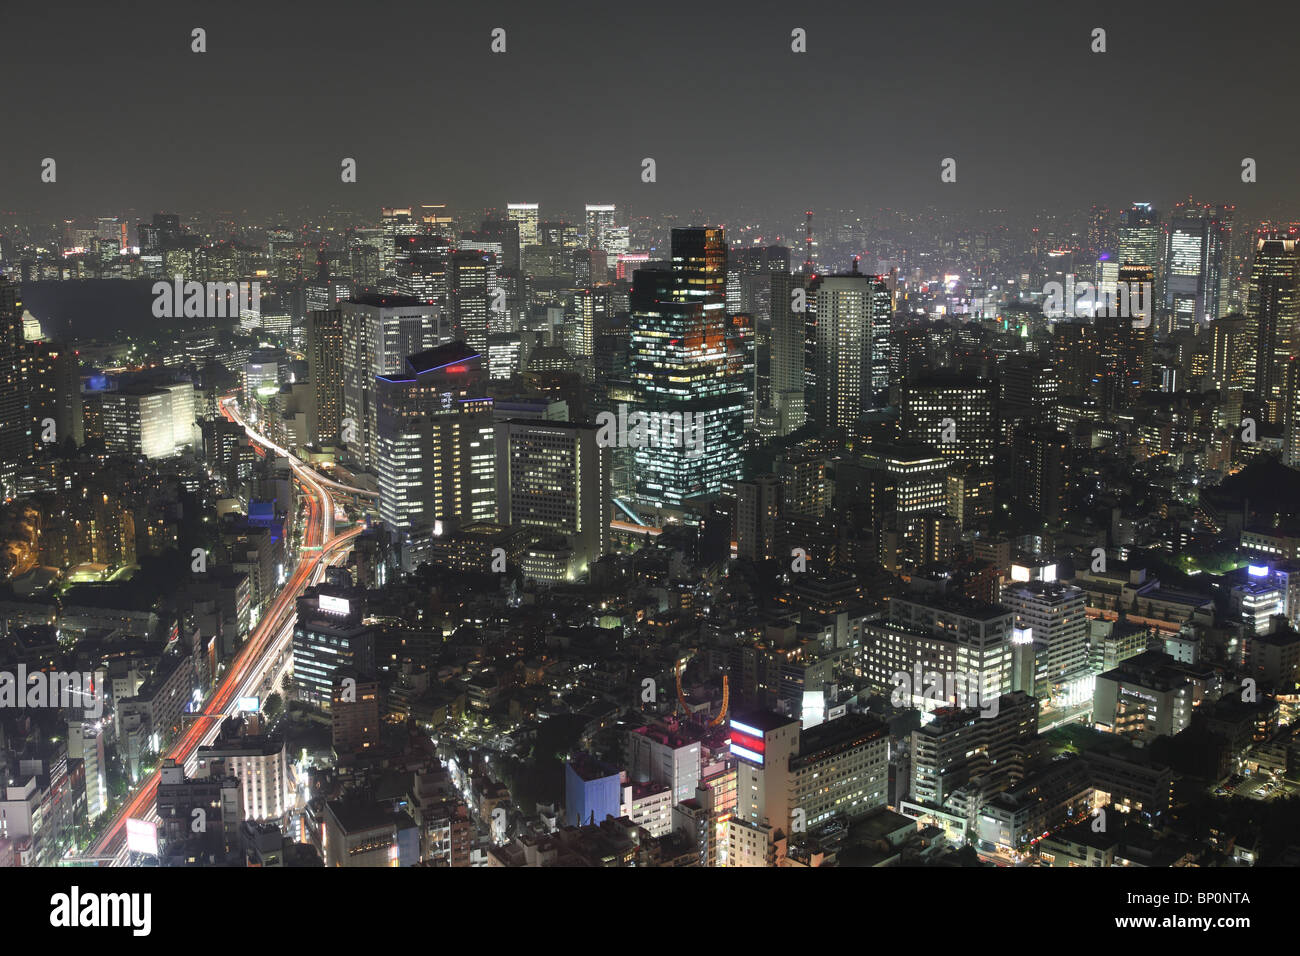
<point x="583" y="436"/>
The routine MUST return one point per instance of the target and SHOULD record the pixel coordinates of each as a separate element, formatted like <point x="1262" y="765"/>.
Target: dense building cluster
<point x="528" y="538"/>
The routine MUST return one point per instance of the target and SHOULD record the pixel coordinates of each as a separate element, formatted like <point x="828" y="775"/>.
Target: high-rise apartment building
<point x="1039" y="470"/>
<point x="54" y="389"/>
<point x="851" y="353"/>
<point x="354" y="713"/>
<point x="326" y="351"/>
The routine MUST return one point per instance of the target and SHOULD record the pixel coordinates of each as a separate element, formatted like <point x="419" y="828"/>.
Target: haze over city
<point x="713" y="436"/>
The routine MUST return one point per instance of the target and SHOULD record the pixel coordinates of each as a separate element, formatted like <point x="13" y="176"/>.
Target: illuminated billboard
<point x="747" y="742"/>
<point x="814" y="708"/>
<point x="1045" y="572"/>
<point x="335" y="605"/>
<point x="248" y="705"/>
<point x="141" y="836"/>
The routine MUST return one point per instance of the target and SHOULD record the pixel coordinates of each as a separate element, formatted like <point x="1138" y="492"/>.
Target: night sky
<point x="710" y="90"/>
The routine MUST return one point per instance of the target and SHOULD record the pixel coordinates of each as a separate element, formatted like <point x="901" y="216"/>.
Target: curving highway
<point x="262" y="654"/>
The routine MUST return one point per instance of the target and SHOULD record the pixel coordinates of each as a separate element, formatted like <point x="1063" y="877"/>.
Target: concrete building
<point x="661" y="755"/>
<point x="329" y="634"/>
<point x="1054" y="613"/>
<point x="592" y="791"/>
<point x="790" y="781"/>
<point x="967" y="643"/>
<point x="354" y="713"/>
<point x="1151" y="695"/>
<point x="758" y="511"/>
<point x="554" y="476"/>
<point x="357" y="834"/>
<point x="209" y="807"/>
<point x="259" y="763"/>
<point x="961" y="746"/>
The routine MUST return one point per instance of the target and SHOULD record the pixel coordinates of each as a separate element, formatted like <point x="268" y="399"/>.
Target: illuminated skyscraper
<point x="1291" y="415"/>
<point x="851" y="352"/>
<point x="1228" y="241"/>
<point x="555" y="476"/>
<point x="393" y="223"/>
<point x="1140" y="241"/>
<point x="325" y="355"/>
<point x="1100" y="231"/>
<point x="600" y="227"/>
<point x="742" y="356"/>
<point x="1123" y="342"/>
<point x="1274" y="307"/>
<point x="526" y="215"/>
<point x="433" y="442"/>
<point x="473" y="277"/>
<point x="379" y="332"/>
<point x="680" y="365"/>
<point x="1194" y="252"/>
<point x="1232" y="359"/>
<point x="436" y="220"/>
<point x="503" y="233"/>
<point x="580" y="322"/>
<point x="420" y="267"/>
<point x="789" y="352"/>
<point x="1139" y="236"/>
<point x="15" y="418"/>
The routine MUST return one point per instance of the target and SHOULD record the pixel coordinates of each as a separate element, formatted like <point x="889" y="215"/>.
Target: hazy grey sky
<point x="585" y="91"/>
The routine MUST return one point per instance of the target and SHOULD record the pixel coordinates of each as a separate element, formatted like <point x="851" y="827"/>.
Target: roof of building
<point x="430" y="360"/>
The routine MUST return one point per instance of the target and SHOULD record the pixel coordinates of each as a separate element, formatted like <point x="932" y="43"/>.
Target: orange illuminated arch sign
<point x="726" y="697"/>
